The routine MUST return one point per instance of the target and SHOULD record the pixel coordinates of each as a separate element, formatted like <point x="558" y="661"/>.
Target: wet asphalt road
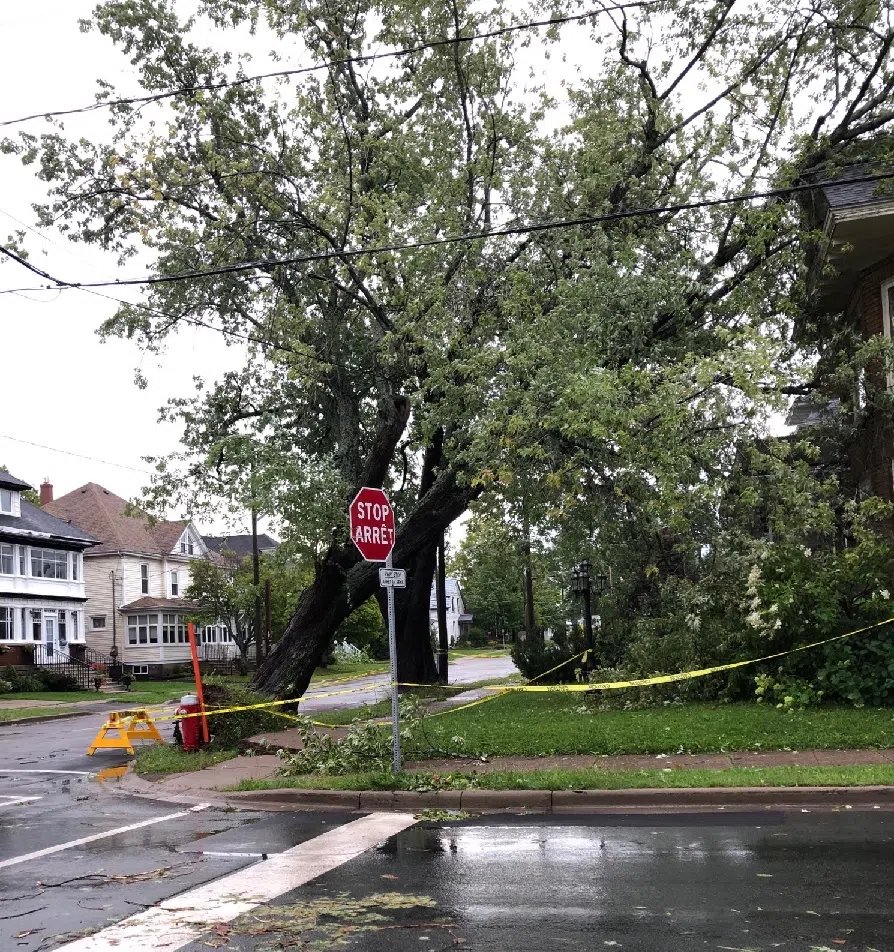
<point x="799" y="883"/>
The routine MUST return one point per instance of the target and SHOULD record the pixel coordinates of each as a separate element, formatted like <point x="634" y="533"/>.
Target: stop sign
<point x="372" y="524"/>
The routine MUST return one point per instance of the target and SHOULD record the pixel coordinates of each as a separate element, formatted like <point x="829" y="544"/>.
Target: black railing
<point x="52" y="659"/>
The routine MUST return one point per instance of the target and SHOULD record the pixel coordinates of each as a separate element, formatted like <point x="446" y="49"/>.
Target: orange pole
<point x="191" y="628"/>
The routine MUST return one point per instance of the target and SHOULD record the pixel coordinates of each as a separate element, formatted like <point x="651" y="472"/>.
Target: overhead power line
<point x="342" y="254"/>
<point x="363" y="58"/>
<point x="92" y="459"/>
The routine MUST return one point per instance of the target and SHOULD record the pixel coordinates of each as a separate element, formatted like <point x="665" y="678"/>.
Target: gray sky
<point x="70" y="391"/>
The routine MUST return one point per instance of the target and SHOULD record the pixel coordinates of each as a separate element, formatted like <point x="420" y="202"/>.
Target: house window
<point x="47" y="563"/>
<point x="74" y="566"/>
<point x="5" y="501"/>
<point x="23" y="560"/>
<point x="139" y="669"/>
<point x="173" y="630"/>
<point x="36" y="624"/>
<point x="74" y="626"/>
<point x="144" y="579"/>
<point x="887" y="315"/>
<point x="98" y="622"/>
<point x="7" y="559"/>
<point x="186" y="544"/>
<point x="175" y="584"/>
<point x="142" y="629"/>
<point x="63" y="634"/>
<point x="6" y="617"/>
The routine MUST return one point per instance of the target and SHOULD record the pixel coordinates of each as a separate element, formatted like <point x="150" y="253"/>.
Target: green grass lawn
<point x="18" y="713"/>
<point x="165" y="759"/>
<point x="544" y="724"/>
<point x="598" y="779"/>
<point x="56" y="696"/>
<point x="455" y="653"/>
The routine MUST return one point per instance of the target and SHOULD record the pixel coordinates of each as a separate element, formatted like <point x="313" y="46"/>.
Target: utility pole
<point x="256" y="567"/>
<point x="441" y="601"/>
<point x="267" y="620"/>
<point x="528" y="573"/>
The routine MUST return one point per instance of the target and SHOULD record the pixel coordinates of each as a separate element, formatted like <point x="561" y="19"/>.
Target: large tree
<point x="623" y="357"/>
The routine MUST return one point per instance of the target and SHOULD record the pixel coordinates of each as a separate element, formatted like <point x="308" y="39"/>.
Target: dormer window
<point x="186" y="544"/>
<point x="6" y="497"/>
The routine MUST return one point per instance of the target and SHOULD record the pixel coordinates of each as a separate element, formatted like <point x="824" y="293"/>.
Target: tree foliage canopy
<point x="617" y="366"/>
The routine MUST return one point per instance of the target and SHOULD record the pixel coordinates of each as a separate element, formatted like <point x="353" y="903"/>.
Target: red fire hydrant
<point x="190" y="728"/>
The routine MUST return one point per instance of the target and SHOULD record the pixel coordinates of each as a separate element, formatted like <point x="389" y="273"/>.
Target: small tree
<point x="223" y="592"/>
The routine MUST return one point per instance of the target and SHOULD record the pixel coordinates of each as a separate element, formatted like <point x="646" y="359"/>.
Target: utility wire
<point x="92" y="459"/>
<point x="534" y="228"/>
<point x="363" y="58"/>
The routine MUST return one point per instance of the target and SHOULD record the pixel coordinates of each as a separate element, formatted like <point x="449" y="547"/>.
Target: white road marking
<point x="79" y="773"/>
<point x="181" y="920"/>
<point x="14" y="801"/>
<point x="15" y="860"/>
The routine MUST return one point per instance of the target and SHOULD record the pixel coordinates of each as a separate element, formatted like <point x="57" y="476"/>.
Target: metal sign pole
<point x="392" y="653"/>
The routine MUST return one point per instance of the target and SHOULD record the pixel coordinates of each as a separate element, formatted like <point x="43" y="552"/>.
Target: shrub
<point x="536" y="657"/>
<point x="788" y="692"/>
<point x="5" y="687"/>
<point x="24" y="682"/>
<point x="56" y="681"/>
<point x="476" y="638"/>
<point x="229" y="729"/>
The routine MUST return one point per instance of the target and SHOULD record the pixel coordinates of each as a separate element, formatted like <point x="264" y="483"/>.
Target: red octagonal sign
<point x="372" y="524"/>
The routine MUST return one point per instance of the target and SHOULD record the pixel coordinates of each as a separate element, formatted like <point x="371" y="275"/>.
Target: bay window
<point x="7" y="559"/>
<point x="48" y="563"/>
<point x="6" y="617"/>
<point x="142" y="629"/>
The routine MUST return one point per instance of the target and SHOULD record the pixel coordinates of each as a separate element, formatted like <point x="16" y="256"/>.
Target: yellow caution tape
<point x="689" y="675"/>
<point x="500" y="690"/>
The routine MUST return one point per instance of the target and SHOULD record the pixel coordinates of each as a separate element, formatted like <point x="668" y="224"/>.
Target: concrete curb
<point x="721" y="799"/>
<point x="43" y="718"/>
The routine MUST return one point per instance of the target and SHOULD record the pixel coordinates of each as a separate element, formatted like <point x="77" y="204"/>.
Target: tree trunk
<point x="415" y="657"/>
<point x="343" y="581"/>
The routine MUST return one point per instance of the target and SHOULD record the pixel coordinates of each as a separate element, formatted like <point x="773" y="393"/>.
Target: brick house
<point x="135" y="580"/>
<point x="851" y="277"/>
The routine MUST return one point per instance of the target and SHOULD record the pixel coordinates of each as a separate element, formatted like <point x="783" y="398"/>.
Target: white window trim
<point x="94" y="627"/>
<point x="144" y="578"/>
<point x="12" y="502"/>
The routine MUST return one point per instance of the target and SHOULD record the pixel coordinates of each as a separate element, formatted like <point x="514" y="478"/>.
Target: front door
<point x="49" y="632"/>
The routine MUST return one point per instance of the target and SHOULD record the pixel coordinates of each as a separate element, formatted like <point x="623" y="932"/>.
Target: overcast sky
<point x="65" y="389"/>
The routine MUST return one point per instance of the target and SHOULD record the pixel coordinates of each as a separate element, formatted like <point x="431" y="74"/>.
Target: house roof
<point x="8" y="481"/>
<point x="239" y="544"/>
<point x="148" y="603"/>
<point x="36" y="523"/>
<point x="104" y="515"/>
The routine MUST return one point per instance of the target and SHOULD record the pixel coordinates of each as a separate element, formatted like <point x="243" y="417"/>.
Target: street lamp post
<point x="583" y="583"/>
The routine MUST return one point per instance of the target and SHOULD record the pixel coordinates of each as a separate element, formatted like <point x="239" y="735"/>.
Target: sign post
<point x="372" y="529"/>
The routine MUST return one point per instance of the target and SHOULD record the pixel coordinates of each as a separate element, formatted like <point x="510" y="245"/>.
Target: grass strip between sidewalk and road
<point x="593" y="779"/>
<point x="26" y="713"/>
<point x="166" y="759"/>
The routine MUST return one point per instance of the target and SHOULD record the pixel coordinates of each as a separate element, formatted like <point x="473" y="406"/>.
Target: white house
<point x="135" y="580"/>
<point x="459" y="621"/>
<point x="42" y="590"/>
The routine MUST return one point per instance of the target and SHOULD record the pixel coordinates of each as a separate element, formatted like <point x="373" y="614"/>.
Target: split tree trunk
<point x="343" y="582"/>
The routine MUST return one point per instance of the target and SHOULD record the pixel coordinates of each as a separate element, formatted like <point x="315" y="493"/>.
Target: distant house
<point x="240" y="545"/>
<point x="42" y="591"/>
<point x="459" y="621"/>
<point x="135" y="579"/>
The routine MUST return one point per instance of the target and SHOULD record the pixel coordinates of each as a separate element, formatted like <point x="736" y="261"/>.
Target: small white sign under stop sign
<point x="393" y="578"/>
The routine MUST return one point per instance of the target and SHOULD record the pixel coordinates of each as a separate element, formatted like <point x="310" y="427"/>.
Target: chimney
<point x="46" y="491"/>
